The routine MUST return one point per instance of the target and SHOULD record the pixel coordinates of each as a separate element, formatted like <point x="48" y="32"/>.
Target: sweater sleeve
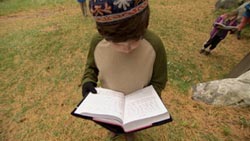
<point x="218" y="20"/>
<point x="159" y="77"/>
<point x="91" y="71"/>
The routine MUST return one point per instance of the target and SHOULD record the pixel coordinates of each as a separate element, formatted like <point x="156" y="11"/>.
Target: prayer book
<point x="136" y="111"/>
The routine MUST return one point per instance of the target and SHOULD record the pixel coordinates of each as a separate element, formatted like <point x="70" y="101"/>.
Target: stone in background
<point x="225" y="92"/>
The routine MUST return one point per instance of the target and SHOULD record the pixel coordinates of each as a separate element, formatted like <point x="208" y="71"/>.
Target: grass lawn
<point x="43" y="48"/>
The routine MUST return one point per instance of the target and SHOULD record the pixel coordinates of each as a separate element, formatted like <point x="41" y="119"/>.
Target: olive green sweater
<point x="127" y="72"/>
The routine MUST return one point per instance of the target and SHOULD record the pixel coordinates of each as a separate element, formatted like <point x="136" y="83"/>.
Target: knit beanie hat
<point x="107" y="11"/>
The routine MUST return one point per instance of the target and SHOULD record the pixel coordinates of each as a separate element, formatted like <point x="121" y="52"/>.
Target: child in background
<point x="218" y="33"/>
<point x="124" y="56"/>
<point x="83" y="6"/>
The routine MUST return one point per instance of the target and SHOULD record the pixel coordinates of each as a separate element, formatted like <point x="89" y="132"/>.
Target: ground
<point x="43" y="52"/>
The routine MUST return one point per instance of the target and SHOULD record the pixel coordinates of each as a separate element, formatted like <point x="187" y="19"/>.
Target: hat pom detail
<point x="105" y="11"/>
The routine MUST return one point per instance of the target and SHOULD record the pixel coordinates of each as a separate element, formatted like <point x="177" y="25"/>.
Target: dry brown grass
<point x="40" y="88"/>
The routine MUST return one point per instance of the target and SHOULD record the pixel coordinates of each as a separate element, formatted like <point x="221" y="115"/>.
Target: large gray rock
<point x="225" y="92"/>
<point x="226" y="4"/>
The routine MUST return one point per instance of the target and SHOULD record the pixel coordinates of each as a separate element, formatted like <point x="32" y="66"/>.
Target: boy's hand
<point x="87" y="88"/>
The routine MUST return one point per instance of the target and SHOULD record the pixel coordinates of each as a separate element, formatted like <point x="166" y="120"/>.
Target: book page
<point x="106" y="103"/>
<point x="140" y="124"/>
<point x="143" y="104"/>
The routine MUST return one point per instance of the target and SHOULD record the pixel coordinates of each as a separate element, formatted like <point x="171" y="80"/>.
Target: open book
<point x="222" y="26"/>
<point x="138" y="110"/>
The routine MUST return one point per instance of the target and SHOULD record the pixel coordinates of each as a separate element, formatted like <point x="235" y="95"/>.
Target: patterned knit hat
<point x="106" y="11"/>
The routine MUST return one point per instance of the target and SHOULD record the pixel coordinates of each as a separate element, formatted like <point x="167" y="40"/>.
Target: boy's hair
<point x="123" y="30"/>
<point x="233" y="13"/>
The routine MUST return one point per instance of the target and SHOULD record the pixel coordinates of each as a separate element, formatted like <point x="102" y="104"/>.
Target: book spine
<point x="99" y="120"/>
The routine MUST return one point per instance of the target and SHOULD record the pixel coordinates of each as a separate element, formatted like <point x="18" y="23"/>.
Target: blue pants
<point x="81" y="0"/>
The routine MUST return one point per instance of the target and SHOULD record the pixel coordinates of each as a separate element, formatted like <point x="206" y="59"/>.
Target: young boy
<point x="218" y="33"/>
<point x="124" y="56"/>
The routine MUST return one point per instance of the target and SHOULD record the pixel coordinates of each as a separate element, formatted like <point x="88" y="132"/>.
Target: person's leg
<point x="214" y="44"/>
<point x="239" y="34"/>
<point x="242" y="24"/>
<point x="113" y="136"/>
<point x="85" y="8"/>
<point x="81" y="6"/>
<point x="206" y="45"/>
<point x="114" y="131"/>
<point x="130" y="136"/>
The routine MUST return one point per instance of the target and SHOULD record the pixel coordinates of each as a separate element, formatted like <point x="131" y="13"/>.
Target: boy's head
<point x="120" y="20"/>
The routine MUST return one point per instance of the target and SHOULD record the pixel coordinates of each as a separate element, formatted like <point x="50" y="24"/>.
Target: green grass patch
<point x="245" y="123"/>
<point x="209" y="137"/>
<point x="13" y="6"/>
<point x="183" y="75"/>
<point x="226" y="130"/>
